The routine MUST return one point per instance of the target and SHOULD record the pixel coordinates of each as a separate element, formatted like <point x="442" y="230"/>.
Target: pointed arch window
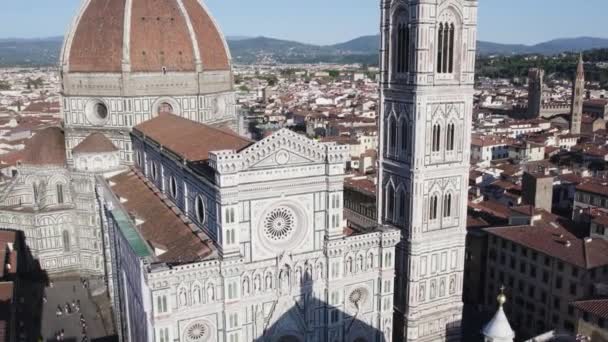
<point x="402" y="206"/>
<point x="66" y="241"/>
<point x="445" y="48"/>
<point x="433" y="208"/>
<point x="404" y="135"/>
<point x="390" y="202"/>
<point x="450" y="137"/>
<point x="59" y="193"/>
<point x="401" y="44"/>
<point x="447" y="205"/>
<point x="436" y="137"/>
<point x="392" y="131"/>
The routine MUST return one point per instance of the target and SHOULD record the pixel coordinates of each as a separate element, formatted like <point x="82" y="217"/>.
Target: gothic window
<point x="445" y="48"/>
<point x="447" y="205"/>
<point x="200" y="209"/>
<point x="229" y="215"/>
<point x="392" y="134"/>
<point x="36" y="189"/>
<point x="402" y="206"/>
<point x="404" y="136"/>
<point x="390" y="202"/>
<point x="161" y="304"/>
<point x="450" y="137"/>
<point x="401" y="44"/>
<point x="173" y="187"/>
<point x="60" y="193"/>
<point x="433" y="208"/>
<point x="436" y="137"/>
<point x="66" y="241"/>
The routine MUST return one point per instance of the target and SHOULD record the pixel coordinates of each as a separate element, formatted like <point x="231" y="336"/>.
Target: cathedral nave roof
<point x="191" y="140"/>
<point x="164" y="226"/>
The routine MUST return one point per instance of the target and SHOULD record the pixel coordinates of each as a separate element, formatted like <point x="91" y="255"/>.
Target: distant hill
<point x="361" y="45"/>
<point x="551" y="47"/>
<point x="247" y="50"/>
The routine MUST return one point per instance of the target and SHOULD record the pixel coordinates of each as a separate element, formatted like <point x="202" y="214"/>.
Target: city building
<point x="578" y="94"/>
<point x="426" y="109"/>
<point x="535" y="92"/>
<point x="545" y="269"/>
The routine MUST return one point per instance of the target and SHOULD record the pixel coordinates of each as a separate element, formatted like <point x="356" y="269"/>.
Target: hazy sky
<point x="332" y="21"/>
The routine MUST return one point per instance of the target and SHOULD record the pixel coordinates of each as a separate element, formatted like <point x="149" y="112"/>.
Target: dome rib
<point x="97" y="42"/>
<point x="162" y="36"/>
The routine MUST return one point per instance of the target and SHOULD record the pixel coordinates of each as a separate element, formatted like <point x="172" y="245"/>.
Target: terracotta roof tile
<point x="596" y="307"/>
<point x="97" y="43"/>
<point x="6" y="303"/>
<point x="210" y="43"/>
<point x="163" y="227"/>
<point x="47" y="147"/>
<point x="552" y="239"/>
<point x="159" y="37"/>
<point x="95" y="143"/>
<point x="191" y="140"/>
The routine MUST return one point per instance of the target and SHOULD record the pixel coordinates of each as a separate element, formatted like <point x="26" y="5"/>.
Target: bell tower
<point x="427" y="78"/>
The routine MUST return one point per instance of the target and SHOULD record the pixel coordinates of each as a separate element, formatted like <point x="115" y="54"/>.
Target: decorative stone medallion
<point x="282" y="157"/>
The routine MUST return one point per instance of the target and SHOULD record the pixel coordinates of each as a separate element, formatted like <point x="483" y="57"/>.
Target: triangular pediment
<point x="283" y="148"/>
<point x="282" y="157"/>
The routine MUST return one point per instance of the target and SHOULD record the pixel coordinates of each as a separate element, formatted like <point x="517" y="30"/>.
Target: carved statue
<point x="257" y="283"/>
<point x="442" y="287"/>
<point x="182" y="297"/>
<point x="268" y="281"/>
<point x="421" y="294"/>
<point x="210" y="293"/>
<point x="246" y="286"/>
<point x="452" y="285"/>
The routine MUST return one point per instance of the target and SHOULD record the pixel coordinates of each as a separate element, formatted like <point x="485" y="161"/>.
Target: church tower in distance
<point x="427" y="78"/>
<point x="578" y="91"/>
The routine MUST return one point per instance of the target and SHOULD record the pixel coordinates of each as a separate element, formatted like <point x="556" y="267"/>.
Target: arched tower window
<point x="59" y="193"/>
<point x="402" y="206"/>
<point x="450" y="137"/>
<point x="390" y="202"/>
<point x="433" y="208"/>
<point x="404" y="136"/>
<point x="200" y="209"/>
<point x="66" y="241"/>
<point x="436" y="137"/>
<point x="392" y="134"/>
<point x="445" y="47"/>
<point x="401" y="42"/>
<point x="447" y="205"/>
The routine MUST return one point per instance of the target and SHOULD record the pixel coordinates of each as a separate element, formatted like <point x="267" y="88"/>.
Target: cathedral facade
<point x="243" y="243"/>
<point x="427" y="78"/>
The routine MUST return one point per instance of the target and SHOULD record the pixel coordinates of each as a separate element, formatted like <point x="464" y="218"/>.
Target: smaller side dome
<point x="47" y="147"/>
<point x="95" y="143"/>
<point x="97" y="154"/>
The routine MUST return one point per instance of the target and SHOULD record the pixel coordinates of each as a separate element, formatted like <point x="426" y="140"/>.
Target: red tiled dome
<point x="171" y="35"/>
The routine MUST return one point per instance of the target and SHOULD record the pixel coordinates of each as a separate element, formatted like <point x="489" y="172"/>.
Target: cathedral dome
<point x="144" y="36"/>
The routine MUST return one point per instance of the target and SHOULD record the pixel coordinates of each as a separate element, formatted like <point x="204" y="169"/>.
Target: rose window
<point x="279" y="224"/>
<point x="358" y="297"/>
<point x="197" y="332"/>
